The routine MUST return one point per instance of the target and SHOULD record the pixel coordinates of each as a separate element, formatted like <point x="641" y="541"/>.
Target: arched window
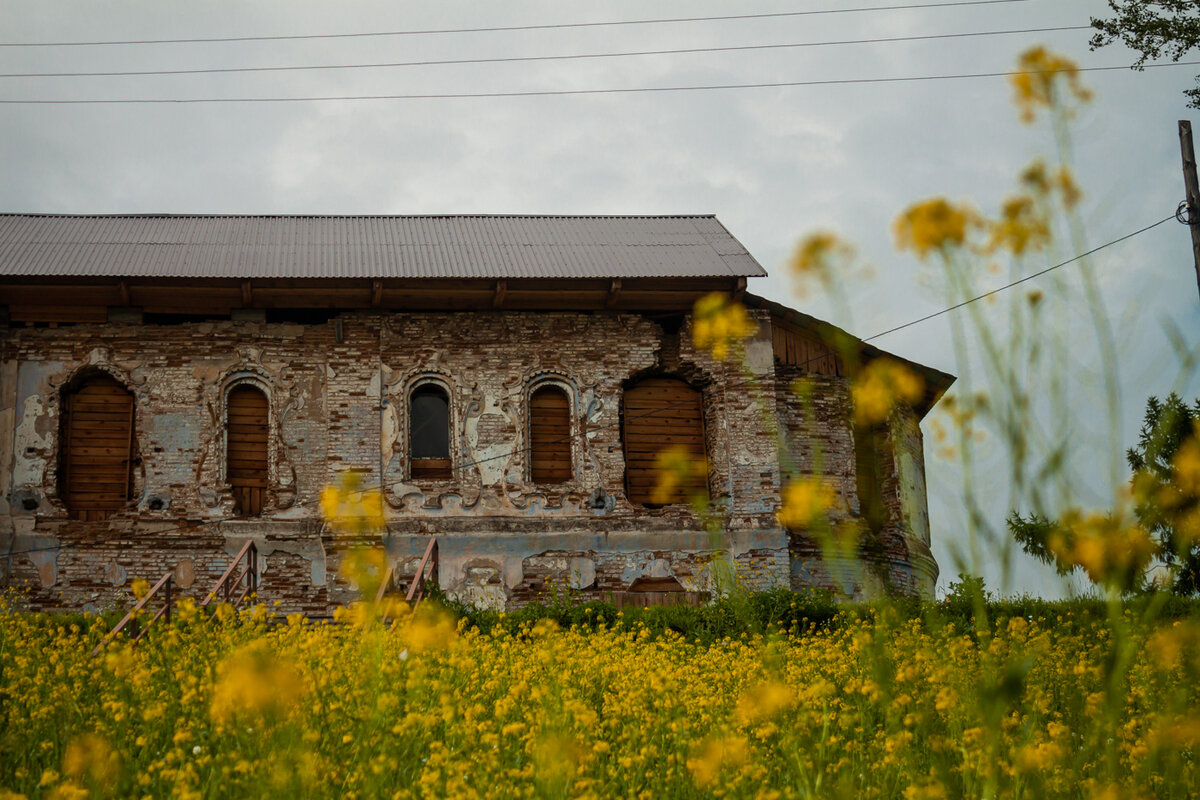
<point x="429" y="429"/>
<point x="549" y="435"/>
<point x="95" y="476"/>
<point x="246" y="448"/>
<point x="660" y="413"/>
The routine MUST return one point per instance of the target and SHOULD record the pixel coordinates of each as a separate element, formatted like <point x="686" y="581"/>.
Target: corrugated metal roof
<point x="227" y="246"/>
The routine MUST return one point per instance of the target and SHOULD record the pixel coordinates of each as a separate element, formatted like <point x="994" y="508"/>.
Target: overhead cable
<point x="568" y="92"/>
<point x="501" y="28"/>
<point x="522" y="59"/>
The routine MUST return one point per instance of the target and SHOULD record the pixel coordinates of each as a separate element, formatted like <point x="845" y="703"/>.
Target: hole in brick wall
<point x="29" y="503"/>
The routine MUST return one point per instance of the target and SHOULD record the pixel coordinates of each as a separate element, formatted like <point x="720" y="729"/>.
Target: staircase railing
<point x="131" y="621"/>
<point x="416" y="590"/>
<point x="226" y="588"/>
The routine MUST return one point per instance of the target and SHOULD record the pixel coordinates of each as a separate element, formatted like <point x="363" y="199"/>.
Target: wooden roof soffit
<point x="498" y="296"/>
<point x="614" y="294"/>
<point x="247" y="293"/>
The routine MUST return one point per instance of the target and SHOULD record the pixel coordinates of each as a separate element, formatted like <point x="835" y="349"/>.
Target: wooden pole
<point x="1193" y="191"/>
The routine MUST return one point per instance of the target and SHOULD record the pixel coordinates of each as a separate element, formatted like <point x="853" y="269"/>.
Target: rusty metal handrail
<point x="385" y="583"/>
<point x="227" y="583"/>
<point x="416" y="590"/>
<point x="130" y="619"/>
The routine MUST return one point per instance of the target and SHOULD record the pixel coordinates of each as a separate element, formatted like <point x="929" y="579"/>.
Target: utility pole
<point x="1193" y="191"/>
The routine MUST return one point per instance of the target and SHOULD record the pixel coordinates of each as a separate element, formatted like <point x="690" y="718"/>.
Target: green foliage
<point x="1160" y="504"/>
<point x="1165" y="427"/>
<point x="1033" y="534"/>
<point x="1155" y="28"/>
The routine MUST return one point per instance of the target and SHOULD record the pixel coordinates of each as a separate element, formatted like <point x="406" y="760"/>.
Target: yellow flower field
<point x="879" y="705"/>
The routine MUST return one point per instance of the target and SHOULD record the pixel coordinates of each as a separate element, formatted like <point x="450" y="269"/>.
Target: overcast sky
<point x="771" y="163"/>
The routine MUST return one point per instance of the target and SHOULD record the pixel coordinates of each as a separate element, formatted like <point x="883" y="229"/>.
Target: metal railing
<point x="131" y="621"/>
<point x="416" y="590"/>
<point x="227" y="585"/>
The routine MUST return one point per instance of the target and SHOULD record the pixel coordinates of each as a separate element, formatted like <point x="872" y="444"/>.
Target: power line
<point x="494" y="29"/>
<point x="1018" y="282"/>
<point x="565" y="92"/>
<point x="516" y="59"/>
<point x="738" y="385"/>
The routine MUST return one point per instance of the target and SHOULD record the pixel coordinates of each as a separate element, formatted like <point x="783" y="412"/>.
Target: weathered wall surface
<point x="814" y="416"/>
<point x="337" y="395"/>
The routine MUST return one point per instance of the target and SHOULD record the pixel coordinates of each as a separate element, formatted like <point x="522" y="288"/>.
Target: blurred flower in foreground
<point x="140" y="588"/>
<point x="348" y="508"/>
<point x="89" y="757"/>
<point x="682" y="476"/>
<point x="804" y="502"/>
<point x="720" y="325"/>
<point x="1112" y="551"/>
<point x="820" y="256"/>
<point x="933" y="224"/>
<point x="255" y="680"/>
<point x="715" y="755"/>
<point x="1035" y="83"/>
<point x="883" y="385"/>
<point x="1021" y="228"/>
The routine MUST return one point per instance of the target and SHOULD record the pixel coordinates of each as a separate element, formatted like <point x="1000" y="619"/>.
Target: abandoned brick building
<point x="173" y="386"/>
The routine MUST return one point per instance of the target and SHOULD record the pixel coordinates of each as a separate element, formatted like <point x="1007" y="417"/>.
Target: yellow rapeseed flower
<point x="716" y="755"/>
<point x="1036" y="81"/>
<point x="934" y="225"/>
<point x="883" y="385"/>
<point x="805" y="501"/>
<point x="679" y="471"/>
<point x="1112" y="551"/>
<point x="1021" y="227"/>
<point x="721" y="325"/>
<point x="90" y="758"/>
<point x="820" y="256"/>
<point x="255" y="681"/>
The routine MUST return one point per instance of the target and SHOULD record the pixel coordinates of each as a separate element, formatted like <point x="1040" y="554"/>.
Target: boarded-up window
<point x="246" y="448"/>
<point x="95" y="477"/>
<point x="660" y="413"/>
<point x="429" y="425"/>
<point x="549" y="436"/>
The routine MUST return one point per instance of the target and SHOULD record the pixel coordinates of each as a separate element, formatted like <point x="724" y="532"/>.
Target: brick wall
<point x="338" y="395"/>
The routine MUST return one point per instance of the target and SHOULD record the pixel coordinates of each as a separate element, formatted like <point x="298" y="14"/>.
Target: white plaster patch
<point x="30" y="470"/>
<point x="582" y="573"/>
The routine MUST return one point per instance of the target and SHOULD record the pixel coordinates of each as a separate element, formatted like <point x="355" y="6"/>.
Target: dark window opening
<point x="95" y="475"/>
<point x="246" y="448"/>
<point x="659" y="414"/>
<point x="429" y="419"/>
<point x="549" y="436"/>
